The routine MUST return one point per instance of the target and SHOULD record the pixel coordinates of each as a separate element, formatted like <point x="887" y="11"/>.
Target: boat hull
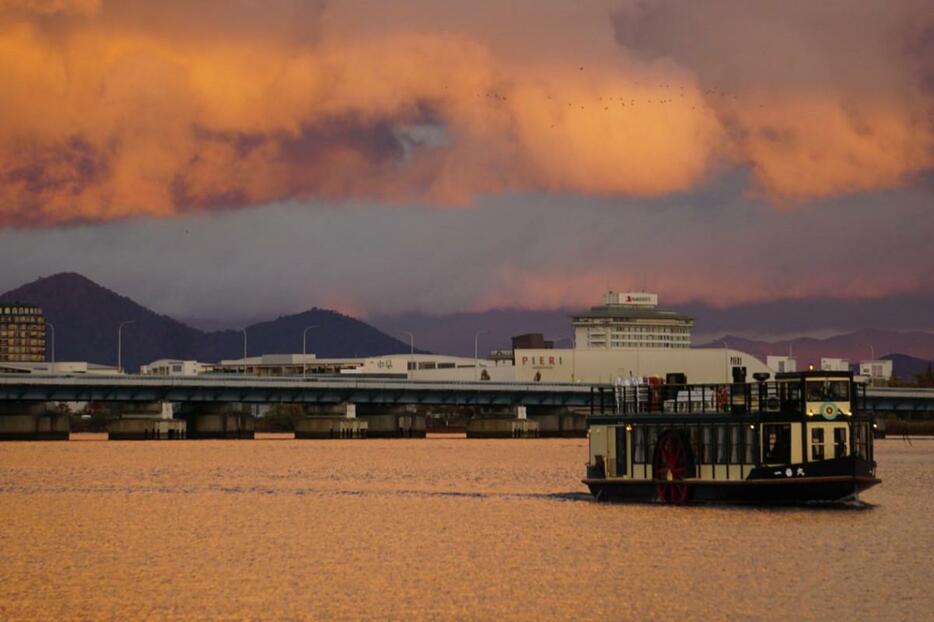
<point x="833" y="481"/>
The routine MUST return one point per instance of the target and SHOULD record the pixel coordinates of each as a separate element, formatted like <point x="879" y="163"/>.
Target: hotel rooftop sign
<point x="630" y="299"/>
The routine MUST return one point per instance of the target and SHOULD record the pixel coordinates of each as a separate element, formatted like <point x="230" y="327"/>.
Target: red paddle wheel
<point x="670" y="467"/>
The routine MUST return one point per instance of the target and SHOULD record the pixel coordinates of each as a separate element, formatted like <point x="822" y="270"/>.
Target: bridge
<point x="899" y="400"/>
<point x="329" y="390"/>
<point x="212" y="405"/>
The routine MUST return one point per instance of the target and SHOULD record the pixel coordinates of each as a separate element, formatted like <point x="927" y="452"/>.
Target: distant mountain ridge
<point x="86" y="316"/>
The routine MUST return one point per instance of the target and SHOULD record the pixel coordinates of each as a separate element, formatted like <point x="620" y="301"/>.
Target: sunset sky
<point x="240" y="158"/>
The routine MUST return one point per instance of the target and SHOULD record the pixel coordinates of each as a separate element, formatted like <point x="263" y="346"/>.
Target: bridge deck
<point x="331" y="390"/>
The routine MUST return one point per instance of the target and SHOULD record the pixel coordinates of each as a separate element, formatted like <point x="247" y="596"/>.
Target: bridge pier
<point x="392" y="421"/>
<point x="513" y="423"/>
<point x="331" y="421"/>
<point x="32" y="421"/>
<point x="557" y="421"/>
<point x="145" y="421"/>
<point x="217" y="420"/>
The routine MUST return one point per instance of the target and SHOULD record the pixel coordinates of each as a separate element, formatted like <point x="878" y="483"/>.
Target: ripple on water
<point x="432" y="528"/>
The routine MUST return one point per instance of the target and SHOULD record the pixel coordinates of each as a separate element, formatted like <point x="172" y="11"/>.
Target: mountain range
<point x="86" y="317"/>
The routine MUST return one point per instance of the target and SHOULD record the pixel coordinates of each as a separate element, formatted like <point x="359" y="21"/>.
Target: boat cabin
<point x="678" y="442"/>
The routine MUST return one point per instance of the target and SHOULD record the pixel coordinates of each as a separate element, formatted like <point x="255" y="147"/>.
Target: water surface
<point x="428" y="529"/>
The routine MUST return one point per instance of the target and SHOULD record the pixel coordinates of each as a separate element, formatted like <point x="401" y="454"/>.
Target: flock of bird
<point x="606" y="103"/>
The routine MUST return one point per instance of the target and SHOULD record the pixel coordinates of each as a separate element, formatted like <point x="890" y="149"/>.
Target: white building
<point x="781" y="364"/>
<point x="59" y="367"/>
<point x="879" y="371"/>
<point x="834" y="364"/>
<point x="631" y="320"/>
<point x="175" y="367"/>
<point x="411" y="366"/>
<point x="699" y="365"/>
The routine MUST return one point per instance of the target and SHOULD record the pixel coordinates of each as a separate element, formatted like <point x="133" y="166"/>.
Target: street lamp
<point x="49" y="324"/>
<point x="305" y="349"/>
<point x="120" y="344"/>
<point x="476" y="353"/>
<point x="411" y="347"/>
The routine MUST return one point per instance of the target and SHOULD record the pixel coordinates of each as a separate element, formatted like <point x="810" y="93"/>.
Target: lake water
<point x="432" y="528"/>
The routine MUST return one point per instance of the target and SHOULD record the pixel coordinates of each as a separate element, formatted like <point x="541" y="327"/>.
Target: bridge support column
<point x="145" y="421"/>
<point x="559" y="421"/>
<point x="513" y="423"/>
<point x="32" y="421"/>
<point x="217" y="420"/>
<point x="392" y="421"/>
<point x="331" y="421"/>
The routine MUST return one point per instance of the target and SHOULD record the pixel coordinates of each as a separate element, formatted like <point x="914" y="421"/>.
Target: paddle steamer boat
<point x="800" y="438"/>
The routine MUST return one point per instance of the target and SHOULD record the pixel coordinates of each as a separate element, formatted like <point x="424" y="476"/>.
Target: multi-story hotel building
<point x="631" y="320"/>
<point x="22" y="333"/>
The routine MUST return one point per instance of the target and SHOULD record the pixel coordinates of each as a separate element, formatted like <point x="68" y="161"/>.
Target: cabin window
<point x="651" y="439"/>
<point x="710" y="449"/>
<point x="861" y="442"/>
<point x="817" y="443"/>
<point x="621" y="463"/>
<point x="828" y="391"/>
<point x="736" y="445"/>
<point x="697" y="443"/>
<point x="790" y="396"/>
<point x="839" y="442"/>
<point x="638" y="445"/>
<point x="723" y="444"/>
<point x="750" y="444"/>
<point x="777" y="440"/>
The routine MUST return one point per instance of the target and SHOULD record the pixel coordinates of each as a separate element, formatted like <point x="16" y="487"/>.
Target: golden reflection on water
<point x="428" y="529"/>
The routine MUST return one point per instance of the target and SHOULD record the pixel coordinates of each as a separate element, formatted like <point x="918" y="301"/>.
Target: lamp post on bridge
<point x="305" y="349"/>
<point x="120" y="344"/>
<point x="476" y="354"/>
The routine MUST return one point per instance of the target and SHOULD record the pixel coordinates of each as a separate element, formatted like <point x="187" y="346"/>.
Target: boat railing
<point x="735" y="398"/>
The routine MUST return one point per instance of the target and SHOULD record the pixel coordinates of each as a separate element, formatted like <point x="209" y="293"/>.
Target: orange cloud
<point x="680" y="283"/>
<point x="139" y="108"/>
<point x="818" y="98"/>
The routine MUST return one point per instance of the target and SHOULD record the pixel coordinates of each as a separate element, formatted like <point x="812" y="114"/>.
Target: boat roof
<point x="813" y="373"/>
